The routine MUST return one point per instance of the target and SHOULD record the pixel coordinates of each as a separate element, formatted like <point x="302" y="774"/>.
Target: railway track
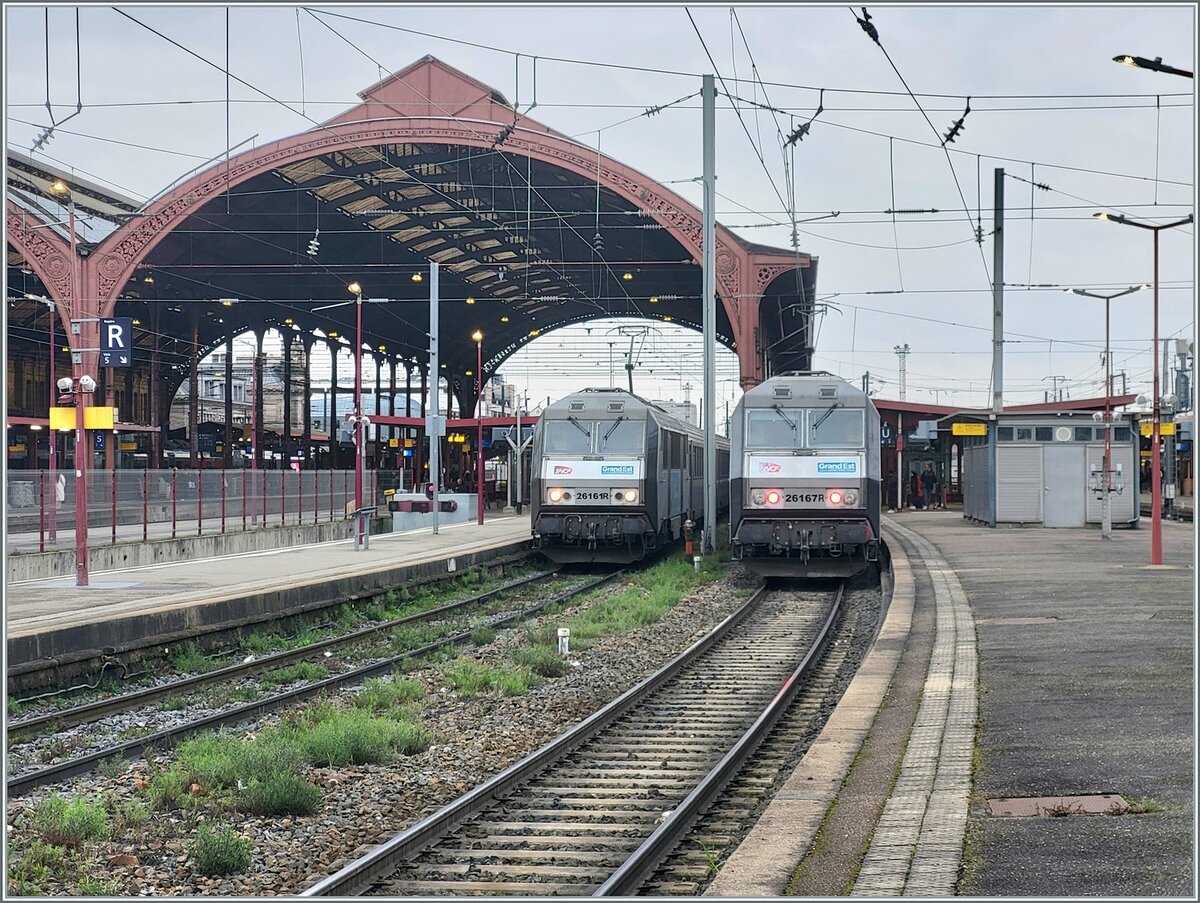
<point x="599" y="808"/>
<point x="29" y="673"/>
<point x="719" y="830"/>
<point x="22" y="783"/>
<point x="83" y="714"/>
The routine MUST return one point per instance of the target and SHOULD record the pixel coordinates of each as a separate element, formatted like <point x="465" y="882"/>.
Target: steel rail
<point x="358" y="875"/>
<point x="38" y="666"/>
<point x="64" y="770"/>
<point x="93" y="710"/>
<point x="655" y="848"/>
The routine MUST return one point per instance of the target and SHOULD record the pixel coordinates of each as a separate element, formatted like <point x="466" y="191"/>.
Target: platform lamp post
<point x="1156" y="427"/>
<point x="477" y="338"/>
<point x="82" y="385"/>
<point x="360" y="439"/>
<point x="1107" y="487"/>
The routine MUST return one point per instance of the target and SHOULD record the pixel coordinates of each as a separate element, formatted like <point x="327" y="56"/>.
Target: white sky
<point x="1047" y="104"/>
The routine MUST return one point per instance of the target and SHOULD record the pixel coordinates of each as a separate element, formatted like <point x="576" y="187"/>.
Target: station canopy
<point x="431" y="166"/>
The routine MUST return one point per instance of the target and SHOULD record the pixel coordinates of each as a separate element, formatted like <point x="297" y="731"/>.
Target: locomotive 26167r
<point x="615" y="477"/>
<point x="805" y="477"/>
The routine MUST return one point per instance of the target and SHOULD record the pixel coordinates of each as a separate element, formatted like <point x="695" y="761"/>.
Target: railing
<point x="133" y="505"/>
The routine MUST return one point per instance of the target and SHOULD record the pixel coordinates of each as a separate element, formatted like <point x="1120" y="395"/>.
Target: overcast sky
<point x="1047" y="103"/>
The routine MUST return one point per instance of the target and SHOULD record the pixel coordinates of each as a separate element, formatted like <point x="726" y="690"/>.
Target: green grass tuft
<point x="542" y="660"/>
<point x="379" y="695"/>
<point x="470" y="678"/>
<point x="69" y="823"/>
<point x="309" y="671"/>
<point x="220" y="851"/>
<point x="282" y="794"/>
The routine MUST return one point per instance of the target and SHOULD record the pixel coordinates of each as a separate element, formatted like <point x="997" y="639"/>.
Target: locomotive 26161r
<point x="615" y="477"/>
<point x="805" y="477"/>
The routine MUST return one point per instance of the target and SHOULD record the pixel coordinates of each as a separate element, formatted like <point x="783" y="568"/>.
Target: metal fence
<point x="143" y="504"/>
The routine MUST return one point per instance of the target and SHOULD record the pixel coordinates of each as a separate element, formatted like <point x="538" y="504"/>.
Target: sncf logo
<point x="769" y="467"/>
<point x="561" y="468"/>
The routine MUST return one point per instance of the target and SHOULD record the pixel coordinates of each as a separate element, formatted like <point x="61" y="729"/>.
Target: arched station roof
<point x="532" y="231"/>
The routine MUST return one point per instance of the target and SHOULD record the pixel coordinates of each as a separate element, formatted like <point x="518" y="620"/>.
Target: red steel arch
<point x="447" y="106"/>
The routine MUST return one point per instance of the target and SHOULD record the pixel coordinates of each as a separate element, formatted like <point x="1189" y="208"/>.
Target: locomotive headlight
<point x="851" y="496"/>
<point x="773" y="497"/>
<point x="555" y="495"/>
<point x="628" y="496"/>
<point x="835" y="497"/>
<point x="757" y="497"/>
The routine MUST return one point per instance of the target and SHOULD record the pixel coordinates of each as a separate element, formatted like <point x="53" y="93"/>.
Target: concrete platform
<point x="1051" y="663"/>
<point x="54" y="619"/>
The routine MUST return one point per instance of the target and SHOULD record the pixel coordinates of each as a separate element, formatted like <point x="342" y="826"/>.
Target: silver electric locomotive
<point x="804" y="497"/>
<point x="615" y="477"/>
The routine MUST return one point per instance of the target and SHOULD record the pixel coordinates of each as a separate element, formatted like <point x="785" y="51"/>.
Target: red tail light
<point x="774" y="497"/>
<point x="835" y="497"/>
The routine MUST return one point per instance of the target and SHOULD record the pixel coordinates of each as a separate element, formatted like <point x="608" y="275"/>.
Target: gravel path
<point x="364" y="805"/>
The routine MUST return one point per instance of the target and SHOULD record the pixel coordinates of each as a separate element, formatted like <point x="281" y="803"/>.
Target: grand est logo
<point x="769" y="467"/>
<point x="561" y="468"/>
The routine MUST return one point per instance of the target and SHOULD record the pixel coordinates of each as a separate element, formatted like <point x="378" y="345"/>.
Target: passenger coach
<point x="615" y="477"/>
<point x="805" y="478"/>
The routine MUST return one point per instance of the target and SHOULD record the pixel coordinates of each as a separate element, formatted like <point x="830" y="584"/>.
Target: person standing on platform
<point x="915" y="499"/>
<point x="929" y="483"/>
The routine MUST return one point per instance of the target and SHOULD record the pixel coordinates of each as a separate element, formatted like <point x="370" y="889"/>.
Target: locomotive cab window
<point x="569" y="437"/>
<point x="773" y="428"/>
<point x="835" y="428"/>
<point x="620" y="437"/>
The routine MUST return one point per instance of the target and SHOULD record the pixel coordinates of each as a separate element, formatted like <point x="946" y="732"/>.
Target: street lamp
<point x="1156" y="434"/>
<point x="79" y="387"/>
<point x="1156" y="64"/>
<point x="477" y="338"/>
<point x="1106" y="526"/>
<point x="359" y="438"/>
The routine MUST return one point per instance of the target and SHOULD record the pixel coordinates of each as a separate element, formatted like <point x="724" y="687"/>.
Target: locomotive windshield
<point x="621" y="437"/>
<point x="773" y="428"/>
<point x="834" y="428"/>
<point x="568" y="437"/>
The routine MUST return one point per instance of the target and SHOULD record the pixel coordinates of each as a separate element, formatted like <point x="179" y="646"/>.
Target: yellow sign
<point x="1164" y="429"/>
<point x="127" y="446"/>
<point x="18" y="449"/>
<point x="93" y="418"/>
<point x="457" y="437"/>
<point x="393" y="443"/>
<point x="410" y="443"/>
<point x="968" y="429"/>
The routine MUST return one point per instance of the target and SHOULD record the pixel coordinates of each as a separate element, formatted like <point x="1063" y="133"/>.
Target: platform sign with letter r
<point x="116" y="342"/>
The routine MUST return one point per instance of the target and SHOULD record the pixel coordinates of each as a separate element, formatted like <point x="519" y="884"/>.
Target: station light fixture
<point x="654" y="299"/>
<point x="470" y="300"/>
<point x="417" y="277"/>
<point x="504" y="319"/>
<point x="628" y="277"/>
<point x="354" y="288"/>
<point x="1156" y="64"/>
